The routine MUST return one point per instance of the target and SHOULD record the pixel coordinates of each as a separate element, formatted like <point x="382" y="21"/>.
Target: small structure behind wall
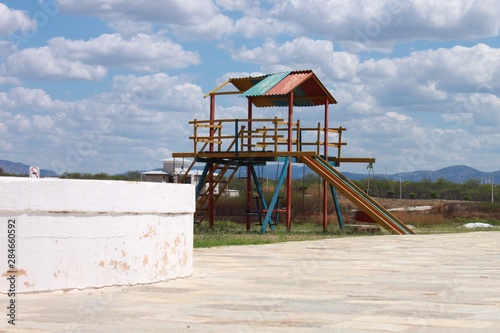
<point x="174" y="171"/>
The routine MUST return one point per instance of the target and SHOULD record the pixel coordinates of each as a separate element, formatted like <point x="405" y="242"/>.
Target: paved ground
<point x="422" y="283"/>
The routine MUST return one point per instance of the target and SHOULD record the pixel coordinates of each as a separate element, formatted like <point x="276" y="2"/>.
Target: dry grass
<point x="443" y="217"/>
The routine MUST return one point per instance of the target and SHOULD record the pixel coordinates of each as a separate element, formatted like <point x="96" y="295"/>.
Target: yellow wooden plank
<point x="352" y="159"/>
<point x="208" y="126"/>
<point x="206" y="137"/>
<point x="234" y="120"/>
<point x="267" y="154"/>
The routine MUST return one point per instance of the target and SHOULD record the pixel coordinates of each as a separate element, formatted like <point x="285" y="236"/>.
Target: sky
<point x="111" y="85"/>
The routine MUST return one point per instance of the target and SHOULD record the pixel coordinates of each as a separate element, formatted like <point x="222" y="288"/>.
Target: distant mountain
<point x="270" y="171"/>
<point x="21" y="169"/>
<point x="454" y="174"/>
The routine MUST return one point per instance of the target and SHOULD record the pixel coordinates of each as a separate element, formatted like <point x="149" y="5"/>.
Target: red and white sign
<point x="34" y="172"/>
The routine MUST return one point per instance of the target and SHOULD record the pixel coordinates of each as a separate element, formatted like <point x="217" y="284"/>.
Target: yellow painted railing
<point x="259" y="135"/>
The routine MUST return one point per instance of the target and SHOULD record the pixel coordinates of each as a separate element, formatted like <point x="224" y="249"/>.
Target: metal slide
<point x="372" y="208"/>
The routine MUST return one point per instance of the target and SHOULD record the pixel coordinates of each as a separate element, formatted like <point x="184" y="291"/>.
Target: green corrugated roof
<point x="265" y="85"/>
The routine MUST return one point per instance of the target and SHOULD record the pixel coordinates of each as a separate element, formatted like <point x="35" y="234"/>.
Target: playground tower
<point x="225" y="145"/>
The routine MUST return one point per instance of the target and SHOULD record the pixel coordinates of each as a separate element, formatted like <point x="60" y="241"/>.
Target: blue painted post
<point x="258" y="187"/>
<point x="267" y="219"/>
<point x="201" y="182"/>
<point x="337" y="207"/>
<point x="236" y="125"/>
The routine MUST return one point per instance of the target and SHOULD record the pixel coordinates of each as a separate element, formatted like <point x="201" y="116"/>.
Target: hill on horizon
<point x="20" y="169"/>
<point x="454" y="174"/>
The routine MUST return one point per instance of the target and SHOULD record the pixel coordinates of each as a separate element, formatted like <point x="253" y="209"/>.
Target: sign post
<point x="34" y="172"/>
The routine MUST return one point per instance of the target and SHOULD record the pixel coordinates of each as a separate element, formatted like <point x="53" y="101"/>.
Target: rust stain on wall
<point x="17" y="272"/>
<point x="145" y="260"/>
<point x="150" y="233"/>
<point x="165" y="258"/>
<point x="119" y="264"/>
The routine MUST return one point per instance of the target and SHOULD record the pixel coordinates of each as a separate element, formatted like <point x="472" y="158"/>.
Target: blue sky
<point x="110" y="85"/>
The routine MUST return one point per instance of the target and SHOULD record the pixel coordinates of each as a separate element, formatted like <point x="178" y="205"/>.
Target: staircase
<point x="218" y="180"/>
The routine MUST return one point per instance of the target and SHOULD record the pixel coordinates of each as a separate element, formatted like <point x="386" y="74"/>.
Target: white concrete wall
<point x="85" y="233"/>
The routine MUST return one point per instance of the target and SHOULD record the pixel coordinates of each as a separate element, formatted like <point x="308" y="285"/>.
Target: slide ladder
<point x="356" y="195"/>
<point x="202" y="195"/>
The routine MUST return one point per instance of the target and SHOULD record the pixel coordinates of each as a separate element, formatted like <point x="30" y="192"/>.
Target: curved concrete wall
<point x="85" y="233"/>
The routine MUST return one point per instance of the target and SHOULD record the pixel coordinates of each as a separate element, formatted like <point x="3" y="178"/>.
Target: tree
<point x="132" y="175"/>
<point x="101" y="176"/>
<point x="472" y="183"/>
<point x="442" y="182"/>
<point x="434" y="195"/>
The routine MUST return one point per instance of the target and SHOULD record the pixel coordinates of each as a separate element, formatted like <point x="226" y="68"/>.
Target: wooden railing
<point x="254" y="135"/>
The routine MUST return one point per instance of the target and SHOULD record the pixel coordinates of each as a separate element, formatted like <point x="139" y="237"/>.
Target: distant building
<point x="173" y="171"/>
<point x="231" y="193"/>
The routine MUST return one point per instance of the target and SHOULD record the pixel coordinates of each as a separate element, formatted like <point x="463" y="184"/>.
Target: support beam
<point x="258" y="187"/>
<point x="325" y="184"/>
<point x="337" y="207"/>
<point x="274" y="199"/>
<point x="249" y="167"/>
<point x="211" y="166"/>
<point x="289" y="172"/>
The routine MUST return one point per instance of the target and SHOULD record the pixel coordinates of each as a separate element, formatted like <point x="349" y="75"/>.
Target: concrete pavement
<point x="419" y="283"/>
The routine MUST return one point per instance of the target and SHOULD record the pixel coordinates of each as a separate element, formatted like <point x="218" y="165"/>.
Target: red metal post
<point x="211" y="171"/>
<point x="289" y="171"/>
<point x="249" y="173"/>
<point x="325" y="184"/>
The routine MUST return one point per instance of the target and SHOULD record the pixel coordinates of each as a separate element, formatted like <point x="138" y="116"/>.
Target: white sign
<point x="34" y="172"/>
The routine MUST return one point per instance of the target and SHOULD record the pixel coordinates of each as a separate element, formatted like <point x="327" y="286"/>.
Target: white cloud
<point x="6" y="49"/>
<point x="413" y="111"/>
<point x="89" y="60"/>
<point x="481" y="110"/>
<point x="359" y="24"/>
<point x="9" y="80"/>
<point x="42" y="64"/>
<point x="140" y="116"/>
<point x="300" y="50"/>
<point x="129" y="28"/>
<point x="37" y="99"/>
<point x="302" y="53"/>
<point x="43" y="123"/>
<point x="14" y="20"/>
<point x="19" y="123"/>
<point x="432" y="76"/>
<point x="257" y="27"/>
<point x="423" y="81"/>
<point x="170" y="93"/>
<point x="141" y="52"/>
<point x="398" y="117"/>
<point x="381" y="101"/>
<point x="402" y="144"/>
<point x="194" y="19"/>
<point x="171" y="11"/>
<point x="237" y="5"/>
